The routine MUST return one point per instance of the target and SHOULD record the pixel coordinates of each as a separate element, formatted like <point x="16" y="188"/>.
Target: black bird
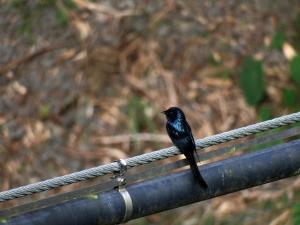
<point x="181" y="135"/>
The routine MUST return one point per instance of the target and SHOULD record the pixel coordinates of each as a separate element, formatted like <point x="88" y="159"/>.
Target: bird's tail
<point x="192" y="161"/>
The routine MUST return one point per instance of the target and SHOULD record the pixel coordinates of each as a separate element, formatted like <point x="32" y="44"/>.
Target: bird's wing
<point x="192" y="139"/>
<point x="175" y="133"/>
<point x="188" y="128"/>
<point x="180" y="138"/>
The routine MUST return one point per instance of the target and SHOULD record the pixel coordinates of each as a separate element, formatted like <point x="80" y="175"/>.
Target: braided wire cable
<point x="146" y="158"/>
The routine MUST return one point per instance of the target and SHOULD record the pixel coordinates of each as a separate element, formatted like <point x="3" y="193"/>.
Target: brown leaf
<point x="83" y="28"/>
<point x="288" y="51"/>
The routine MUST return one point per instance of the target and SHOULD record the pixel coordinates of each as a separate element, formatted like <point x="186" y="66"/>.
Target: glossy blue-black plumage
<point x="181" y="135"/>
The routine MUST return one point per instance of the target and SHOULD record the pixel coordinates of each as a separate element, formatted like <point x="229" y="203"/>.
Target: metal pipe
<point x="171" y="191"/>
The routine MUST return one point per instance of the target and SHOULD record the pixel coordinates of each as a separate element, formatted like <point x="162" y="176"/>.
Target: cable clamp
<point x="119" y="175"/>
<point x="121" y="182"/>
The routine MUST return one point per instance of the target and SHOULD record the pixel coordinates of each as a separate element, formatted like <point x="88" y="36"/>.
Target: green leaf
<point x="252" y="81"/>
<point x="295" y="69"/>
<point x="44" y="111"/>
<point x="62" y="16"/>
<point x="296" y="213"/>
<point x="70" y="4"/>
<point x="278" y="40"/>
<point x="137" y="116"/>
<point x="289" y="97"/>
<point x="298" y="21"/>
<point x="265" y="113"/>
<point x="209" y="220"/>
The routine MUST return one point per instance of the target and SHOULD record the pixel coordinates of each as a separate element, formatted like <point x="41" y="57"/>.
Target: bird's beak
<point x="163" y="112"/>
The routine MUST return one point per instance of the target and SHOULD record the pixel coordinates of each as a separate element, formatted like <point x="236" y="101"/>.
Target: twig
<point x="124" y="138"/>
<point x="16" y="62"/>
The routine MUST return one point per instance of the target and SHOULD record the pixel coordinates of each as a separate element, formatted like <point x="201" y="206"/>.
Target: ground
<point x="75" y="74"/>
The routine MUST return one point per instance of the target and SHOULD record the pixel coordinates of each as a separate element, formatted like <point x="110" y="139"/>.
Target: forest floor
<point x="76" y="74"/>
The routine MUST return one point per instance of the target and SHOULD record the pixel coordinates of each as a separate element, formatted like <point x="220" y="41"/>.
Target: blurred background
<point x="82" y="83"/>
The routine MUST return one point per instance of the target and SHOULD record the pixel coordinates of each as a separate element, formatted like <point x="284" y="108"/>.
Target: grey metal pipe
<point x="171" y="191"/>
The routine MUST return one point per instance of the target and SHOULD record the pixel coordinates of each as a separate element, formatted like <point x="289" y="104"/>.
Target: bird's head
<point x="173" y="113"/>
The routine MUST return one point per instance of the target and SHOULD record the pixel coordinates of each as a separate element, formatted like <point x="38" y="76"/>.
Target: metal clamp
<point x="128" y="203"/>
<point x="121" y="182"/>
<point x="119" y="175"/>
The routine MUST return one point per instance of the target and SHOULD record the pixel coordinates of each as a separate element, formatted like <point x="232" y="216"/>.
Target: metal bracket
<point x="121" y="182"/>
<point x="119" y="175"/>
<point x="128" y="204"/>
